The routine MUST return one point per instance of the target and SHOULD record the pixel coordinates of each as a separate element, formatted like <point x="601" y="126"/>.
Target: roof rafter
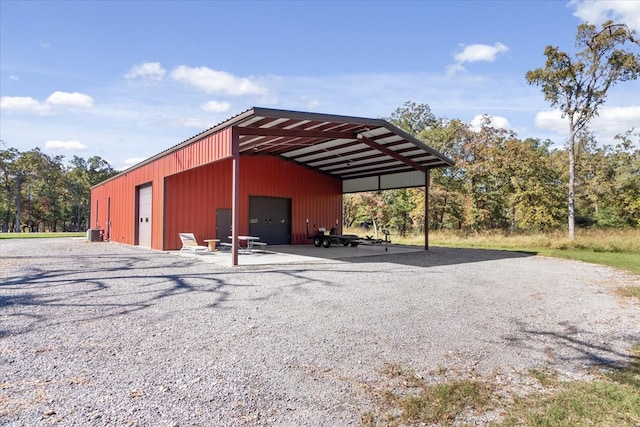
<point x="390" y="153"/>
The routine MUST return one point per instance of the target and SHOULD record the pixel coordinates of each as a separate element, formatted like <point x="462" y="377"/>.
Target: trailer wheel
<point x="345" y="242"/>
<point x="326" y="242"/>
<point x="317" y="242"/>
<point x="354" y="244"/>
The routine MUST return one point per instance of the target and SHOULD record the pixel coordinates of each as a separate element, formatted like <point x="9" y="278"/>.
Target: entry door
<point x="223" y="224"/>
<point x="108" y="230"/>
<point x="270" y="219"/>
<point x="144" y="216"/>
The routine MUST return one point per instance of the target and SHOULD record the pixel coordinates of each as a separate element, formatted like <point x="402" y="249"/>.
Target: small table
<point x="212" y="244"/>
<point x="249" y="240"/>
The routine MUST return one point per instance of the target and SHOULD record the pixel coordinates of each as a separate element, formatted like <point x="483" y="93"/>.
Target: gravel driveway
<point x="107" y="334"/>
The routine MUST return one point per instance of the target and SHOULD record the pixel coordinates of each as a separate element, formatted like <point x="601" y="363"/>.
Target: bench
<point x="212" y="244"/>
<point x="261" y="246"/>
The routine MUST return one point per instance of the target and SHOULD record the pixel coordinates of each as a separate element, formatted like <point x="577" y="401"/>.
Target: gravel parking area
<point x="106" y="334"/>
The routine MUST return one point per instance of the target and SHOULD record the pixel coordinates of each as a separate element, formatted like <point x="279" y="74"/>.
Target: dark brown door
<point x="270" y="219"/>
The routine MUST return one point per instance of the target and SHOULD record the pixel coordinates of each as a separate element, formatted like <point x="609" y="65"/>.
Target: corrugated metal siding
<point x="122" y="190"/>
<point x="188" y="195"/>
<point x="191" y="198"/>
<point x="314" y="195"/>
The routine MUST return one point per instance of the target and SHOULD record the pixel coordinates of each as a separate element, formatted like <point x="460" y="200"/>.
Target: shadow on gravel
<point x="96" y="286"/>
<point x="439" y="256"/>
<point x="571" y="346"/>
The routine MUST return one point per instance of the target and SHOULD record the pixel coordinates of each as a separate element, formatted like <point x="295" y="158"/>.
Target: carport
<point x="358" y="154"/>
<point x="365" y="154"/>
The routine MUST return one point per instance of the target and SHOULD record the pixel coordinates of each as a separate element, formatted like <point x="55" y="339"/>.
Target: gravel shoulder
<point x="107" y="334"/>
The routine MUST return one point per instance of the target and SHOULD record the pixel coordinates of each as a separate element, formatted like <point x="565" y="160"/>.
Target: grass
<point x="596" y="403"/>
<point x="617" y="248"/>
<point x="40" y="235"/>
<point x="630" y="292"/>
<point x="612" y="399"/>
<point x="417" y="402"/>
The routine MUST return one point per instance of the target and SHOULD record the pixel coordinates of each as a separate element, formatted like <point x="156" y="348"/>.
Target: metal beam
<point x="427" y="183"/>
<point x="235" y="194"/>
<point x="371" y="143"/>
<point x="293" y="133"/>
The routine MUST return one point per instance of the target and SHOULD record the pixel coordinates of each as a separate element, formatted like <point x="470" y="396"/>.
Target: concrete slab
<point x="302" y="254"/>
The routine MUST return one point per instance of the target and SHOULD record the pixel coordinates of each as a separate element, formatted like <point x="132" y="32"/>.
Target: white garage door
<point x="144" y="216"/>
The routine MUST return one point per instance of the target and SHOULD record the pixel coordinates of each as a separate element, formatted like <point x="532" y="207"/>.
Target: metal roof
<point x="341" y="146"/>
<point x="345" y="147"/>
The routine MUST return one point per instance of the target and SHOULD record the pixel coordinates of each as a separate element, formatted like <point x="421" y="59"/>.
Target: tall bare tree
<point x="578" y="85"/>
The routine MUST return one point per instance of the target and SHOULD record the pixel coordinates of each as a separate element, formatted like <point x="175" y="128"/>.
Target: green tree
<point x="82" y="175"/>
<point x="27" y="172"/>
<point x="402" y="205"/>
<point x="413" y="118"/>
<point x="483" y="187"/>
<point x="40" y="190"/>
<point x="532" y="184"/>
<point x="8" y="187"/>
<point x="446" y="193"/>
<point x="578" y="85"/>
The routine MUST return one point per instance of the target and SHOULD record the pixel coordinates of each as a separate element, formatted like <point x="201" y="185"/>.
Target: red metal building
<point x="263" y="172"/>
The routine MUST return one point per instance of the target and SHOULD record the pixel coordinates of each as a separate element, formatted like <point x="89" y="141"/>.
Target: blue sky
<point x="127" y="80"/>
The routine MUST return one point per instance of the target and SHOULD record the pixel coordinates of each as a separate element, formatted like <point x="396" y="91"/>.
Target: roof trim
<point x="347" y="123"/>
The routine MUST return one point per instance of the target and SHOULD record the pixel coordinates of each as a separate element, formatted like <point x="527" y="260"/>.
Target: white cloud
<point x="66" y="99"/>
<point x="597" y="11"/>
<point x="610" y="122"/>
<point x="14" y="78"/>
<point x="150" y="71"/>
<point x="24" y="104"/>
<point x="476" y="53"/>
<point x="216" y="107"/>
<point x="45" y="45"/>
<point x="552" y="120"/>
<point x="616" y="120"/>
<point x="55" y="145"/>
<point x="214" y="81"/>
<point x="313" y="103"/>
<point x="494" y="121"/>
<point x="454" y="68"/>
<point x="480" y="52"/>
<point x="28" y="105"/>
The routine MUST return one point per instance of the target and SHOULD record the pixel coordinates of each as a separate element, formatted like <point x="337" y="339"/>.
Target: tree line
<point x="503" y="182"/>
<point x="39" y="192"/>
<point x="499" y="181"/>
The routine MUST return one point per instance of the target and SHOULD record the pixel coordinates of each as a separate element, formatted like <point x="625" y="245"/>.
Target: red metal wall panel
<point x="122" y="190"/>
<point x="191" y="198"/>
<point x="313" y="195"/>
<point x="186" y="195"/>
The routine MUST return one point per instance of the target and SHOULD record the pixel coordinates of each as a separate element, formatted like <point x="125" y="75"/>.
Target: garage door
<point x="144" y="216"/>
<point x="270" y="219"/>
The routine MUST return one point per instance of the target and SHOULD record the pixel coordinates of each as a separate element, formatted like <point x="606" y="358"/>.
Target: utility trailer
<point x="321" y="238"/>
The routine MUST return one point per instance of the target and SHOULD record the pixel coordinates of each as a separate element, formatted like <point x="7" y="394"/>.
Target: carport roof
<point x="345" y="147"/>
<point x="342" y="146"/>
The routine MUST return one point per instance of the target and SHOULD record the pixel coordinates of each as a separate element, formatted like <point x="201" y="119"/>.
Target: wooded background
<point x="499" y="182"/>
<point x="503" y="182"/>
